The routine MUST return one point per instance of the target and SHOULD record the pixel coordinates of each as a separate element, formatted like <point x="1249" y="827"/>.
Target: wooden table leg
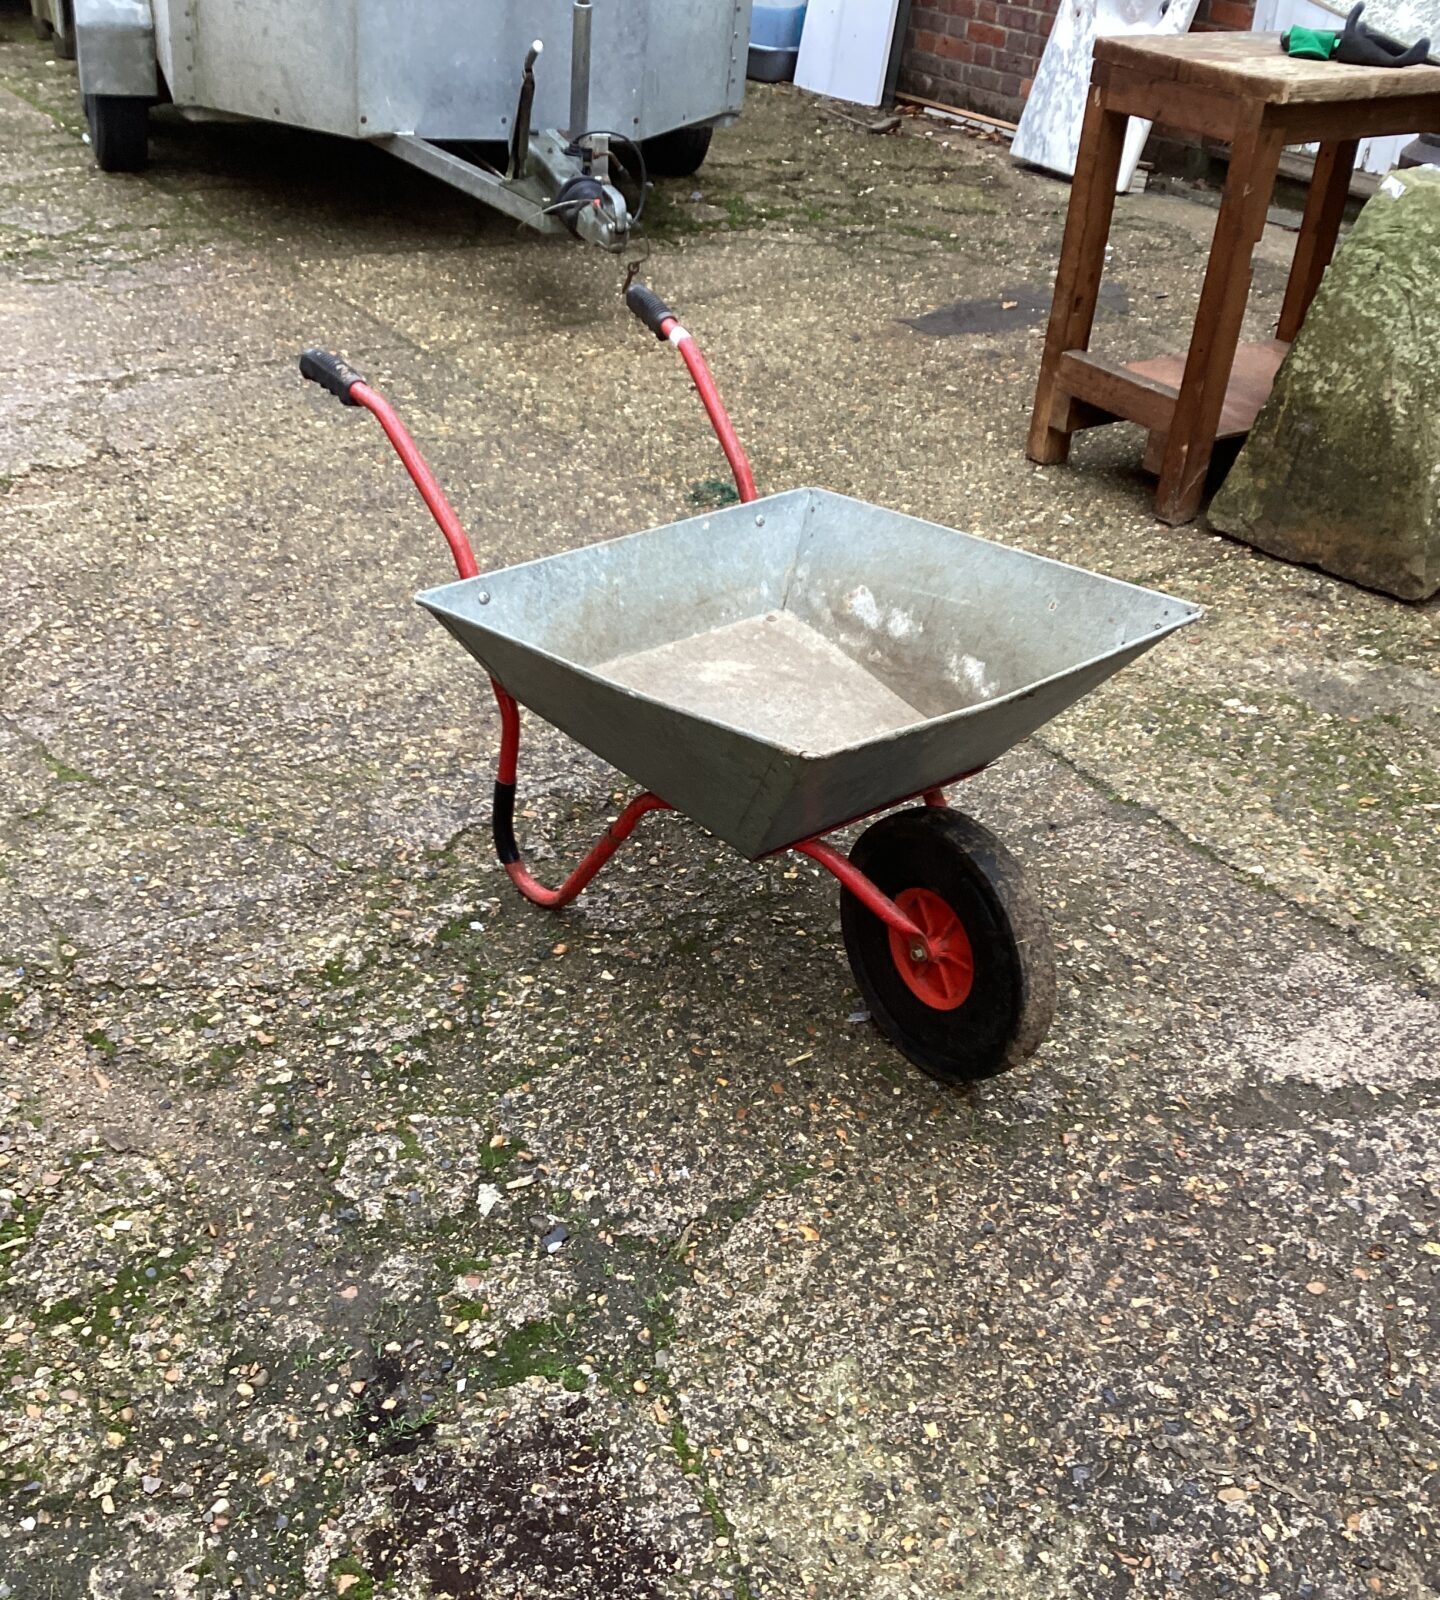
<point x="1254" y="161"/>
<point x="1077" y="280"/>
<point x="1324" y="212"/>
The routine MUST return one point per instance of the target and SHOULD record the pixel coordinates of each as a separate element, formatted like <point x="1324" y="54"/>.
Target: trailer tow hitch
<point x="589" y="205"/>
<point x="578" y="172"/>
<point x="553" y="181"/>
<point x="593" y="210"/>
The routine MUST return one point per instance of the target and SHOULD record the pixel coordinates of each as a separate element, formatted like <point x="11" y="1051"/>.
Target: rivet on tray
<point x="483" y="597"/>
<point x="759" y="522"/>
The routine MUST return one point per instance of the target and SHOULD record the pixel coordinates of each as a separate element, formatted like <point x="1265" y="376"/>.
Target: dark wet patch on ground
<point x="1015" y="306"/>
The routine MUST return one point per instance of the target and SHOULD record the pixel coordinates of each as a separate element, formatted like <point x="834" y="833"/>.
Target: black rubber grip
<point x="649" y="307"/>
<point x="502" y="823"/>
<point x="331" y="373"/>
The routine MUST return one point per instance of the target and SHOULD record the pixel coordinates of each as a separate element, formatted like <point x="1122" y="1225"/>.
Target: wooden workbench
<point x="1240" y="87"/>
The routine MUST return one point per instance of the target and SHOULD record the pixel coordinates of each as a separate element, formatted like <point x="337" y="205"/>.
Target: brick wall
<point x="981" y="55"/>
<point x="978" y="54"/>
<point x="1233" y="16"/>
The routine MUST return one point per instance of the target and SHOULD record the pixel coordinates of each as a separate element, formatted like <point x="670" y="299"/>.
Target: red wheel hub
<point x="944" y="978"/>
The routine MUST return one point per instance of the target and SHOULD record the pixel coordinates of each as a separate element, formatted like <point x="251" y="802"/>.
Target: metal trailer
<point x="792" y="664"/>
<point x="562" y="91"/>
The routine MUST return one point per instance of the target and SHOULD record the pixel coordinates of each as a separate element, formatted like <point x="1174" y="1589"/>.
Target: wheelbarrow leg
<point x="503" y="819"/>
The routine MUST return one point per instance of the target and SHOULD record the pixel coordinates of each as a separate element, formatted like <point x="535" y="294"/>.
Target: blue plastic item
<point x="771" y="66"/>
<point x="777" y="27"/>
<point x="774" y="42"/>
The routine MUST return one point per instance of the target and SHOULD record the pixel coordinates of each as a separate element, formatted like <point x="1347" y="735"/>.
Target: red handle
<point x="664" y="324"/>
<point x="424" y="480"/>
<point x="672" y="332"/>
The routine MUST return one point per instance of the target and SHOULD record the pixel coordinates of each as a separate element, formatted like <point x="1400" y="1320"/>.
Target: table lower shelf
<point x="1147" y="391"/>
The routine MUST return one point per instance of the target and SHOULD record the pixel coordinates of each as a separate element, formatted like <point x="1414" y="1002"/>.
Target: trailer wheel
<point x="119" y="131"/>
<point x="676" y="154"/>
<point x="986" y="999"/>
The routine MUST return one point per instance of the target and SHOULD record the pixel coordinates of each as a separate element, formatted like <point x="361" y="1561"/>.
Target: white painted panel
<point x="1049" y="133"/>
<point x="845" y="49"/>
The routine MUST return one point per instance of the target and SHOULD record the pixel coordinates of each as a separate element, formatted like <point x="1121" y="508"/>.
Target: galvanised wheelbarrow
<point x="786" y="666"/>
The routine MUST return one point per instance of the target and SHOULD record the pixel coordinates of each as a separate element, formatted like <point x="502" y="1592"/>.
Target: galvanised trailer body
<point x="562" y="85"/>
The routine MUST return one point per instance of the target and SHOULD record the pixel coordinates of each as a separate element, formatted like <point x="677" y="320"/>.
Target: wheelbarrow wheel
<point x="986" y="1000"/>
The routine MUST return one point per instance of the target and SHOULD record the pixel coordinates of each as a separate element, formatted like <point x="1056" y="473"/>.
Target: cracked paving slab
<point x="364" y="1230"/>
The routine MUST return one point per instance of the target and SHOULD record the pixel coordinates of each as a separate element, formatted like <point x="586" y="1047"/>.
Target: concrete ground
<point x="364" y="1230"/>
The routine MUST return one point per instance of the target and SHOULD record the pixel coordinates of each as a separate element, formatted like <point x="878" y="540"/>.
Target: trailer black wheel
<point x="986" y="1000"/>
<point x="119" y="131"/>
<point x="676" y="154"/>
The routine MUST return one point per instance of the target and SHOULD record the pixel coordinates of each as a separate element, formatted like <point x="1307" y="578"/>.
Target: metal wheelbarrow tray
<point x="780" y="668"/>
<point x="788" y="665"/>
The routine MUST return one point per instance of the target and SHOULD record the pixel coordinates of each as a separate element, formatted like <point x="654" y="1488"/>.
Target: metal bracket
<point x="521" y="198"/>
<point x="115" y="41"/>
<point x="529" y="199"/>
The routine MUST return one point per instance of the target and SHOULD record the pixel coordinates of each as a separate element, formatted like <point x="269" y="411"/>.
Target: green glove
<point x="1357" y="46"/>
<point x="1310" y="44"/>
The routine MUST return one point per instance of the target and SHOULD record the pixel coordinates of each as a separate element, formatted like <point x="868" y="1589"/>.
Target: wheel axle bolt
<point x="918" y="952"/>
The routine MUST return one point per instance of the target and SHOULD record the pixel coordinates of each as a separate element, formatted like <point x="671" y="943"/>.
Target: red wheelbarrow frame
<point x="349" y="387"/>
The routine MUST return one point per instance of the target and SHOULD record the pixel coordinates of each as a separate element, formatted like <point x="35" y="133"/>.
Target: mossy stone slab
<point x="1342" y="468"/>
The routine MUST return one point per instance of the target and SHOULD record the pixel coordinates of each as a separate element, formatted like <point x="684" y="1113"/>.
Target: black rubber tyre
<point x="676" y="154"/>
<point x="119" y="131"/>
<point x="1011" y="1000"/>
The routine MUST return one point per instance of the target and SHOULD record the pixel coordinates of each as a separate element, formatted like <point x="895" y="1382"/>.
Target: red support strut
<point x="851" y="878"/>
<point x="610" y="841"/>
<point x="504" y="810"/>
<point x="509" y="733"/>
